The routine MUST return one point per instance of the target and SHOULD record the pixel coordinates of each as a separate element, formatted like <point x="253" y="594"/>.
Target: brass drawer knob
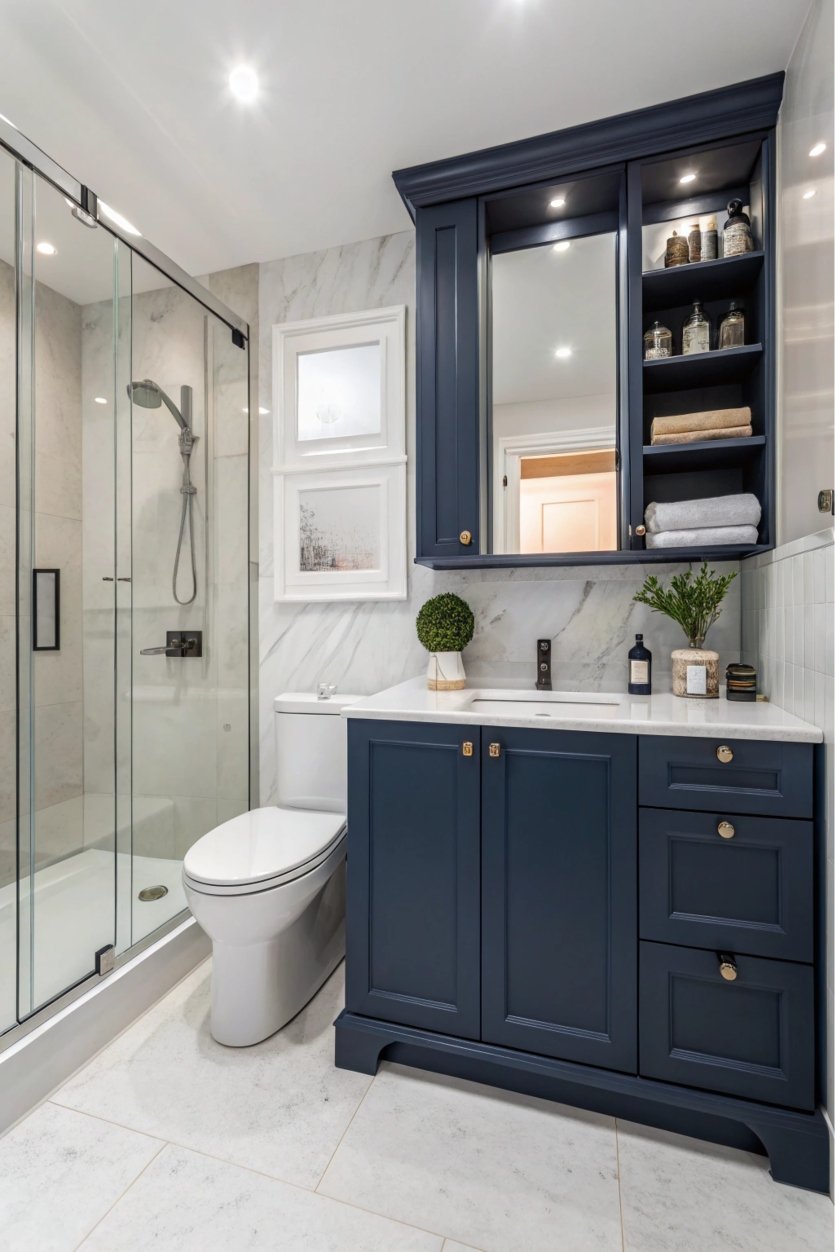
<point x="640" y="531"/>
<point x="724" y="754"/>
<point x="466" y="537"/>
<point x="727" y="967"/>
<point x="467" y="748"/>
<point x="495" y="749"/>
<point x="726" y="829"/>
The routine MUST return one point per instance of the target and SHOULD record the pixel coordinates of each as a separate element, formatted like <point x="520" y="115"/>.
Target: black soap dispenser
<point x="640" y="669"/>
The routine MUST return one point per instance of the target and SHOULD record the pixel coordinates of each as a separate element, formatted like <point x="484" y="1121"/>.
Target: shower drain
<point x="152" y="893"/>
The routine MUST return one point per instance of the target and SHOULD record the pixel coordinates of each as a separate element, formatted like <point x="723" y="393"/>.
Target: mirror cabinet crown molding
<point x="612" y="191"/>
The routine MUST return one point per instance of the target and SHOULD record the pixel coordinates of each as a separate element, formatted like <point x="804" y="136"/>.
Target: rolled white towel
<point x="740" y="510"/>
<point x="706" y="537"/>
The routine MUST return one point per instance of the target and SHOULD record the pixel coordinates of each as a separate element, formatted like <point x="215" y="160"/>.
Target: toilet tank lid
<point x="309" y="702"/>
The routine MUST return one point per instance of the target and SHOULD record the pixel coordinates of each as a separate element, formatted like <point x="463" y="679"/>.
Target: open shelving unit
<point x="721" y="378"/>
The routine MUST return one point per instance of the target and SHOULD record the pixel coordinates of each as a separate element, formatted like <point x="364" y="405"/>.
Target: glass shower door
<point x="189" y="588"/>
<point x="70" y="277"/>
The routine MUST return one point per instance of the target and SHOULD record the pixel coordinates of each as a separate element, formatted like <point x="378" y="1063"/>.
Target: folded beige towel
<point x="706" y="537"/>
<point x="699" y="436"/>
<point x="710" y="419"/>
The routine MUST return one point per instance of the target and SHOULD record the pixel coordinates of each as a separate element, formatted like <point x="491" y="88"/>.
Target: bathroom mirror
<point x="554" y="397"/>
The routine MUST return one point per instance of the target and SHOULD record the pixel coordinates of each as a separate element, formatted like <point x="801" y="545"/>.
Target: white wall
<point x="806" y="277"/>
<point x="366" y="646"/>
<point x="564" y="413"/>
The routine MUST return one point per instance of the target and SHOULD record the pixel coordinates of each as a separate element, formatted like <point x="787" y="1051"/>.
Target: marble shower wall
<point x="56" y="676"/>
<point x="366" y="646"/>
<point x="788" y="603"/>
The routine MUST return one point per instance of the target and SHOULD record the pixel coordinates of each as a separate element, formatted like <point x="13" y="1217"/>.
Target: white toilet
<point x="268" y="887"/>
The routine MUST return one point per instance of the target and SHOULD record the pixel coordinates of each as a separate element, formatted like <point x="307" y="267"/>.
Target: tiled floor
<point x="169" y="1141"/>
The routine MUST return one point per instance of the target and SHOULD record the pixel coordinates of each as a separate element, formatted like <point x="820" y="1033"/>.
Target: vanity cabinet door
<point x="447" y="380"/>
<point x="413" y="874"/>
<point x="559" y="910"/>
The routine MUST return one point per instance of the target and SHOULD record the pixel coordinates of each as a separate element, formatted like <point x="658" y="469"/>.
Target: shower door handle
<point x="168" y="649"/>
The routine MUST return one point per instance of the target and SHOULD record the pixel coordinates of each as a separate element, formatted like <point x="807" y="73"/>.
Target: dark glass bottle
<point x="640" y="669"/>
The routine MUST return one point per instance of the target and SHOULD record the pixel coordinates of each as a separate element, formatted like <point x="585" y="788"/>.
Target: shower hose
<point x="188" y="491"/>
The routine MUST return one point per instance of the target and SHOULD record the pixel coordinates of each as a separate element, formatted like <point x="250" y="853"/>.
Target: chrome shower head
<point x="149" y="395"/>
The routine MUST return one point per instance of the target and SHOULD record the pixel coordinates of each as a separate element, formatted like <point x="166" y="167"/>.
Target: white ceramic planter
<point x="445" y="672"/>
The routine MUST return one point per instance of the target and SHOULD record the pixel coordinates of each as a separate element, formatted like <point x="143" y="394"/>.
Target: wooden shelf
<point x="706" y="455"/>
<point x="701" y="369"/>
<point x="701" y="280"/>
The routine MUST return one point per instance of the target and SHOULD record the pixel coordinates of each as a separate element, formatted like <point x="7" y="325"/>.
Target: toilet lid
<point x="262" y="844"/>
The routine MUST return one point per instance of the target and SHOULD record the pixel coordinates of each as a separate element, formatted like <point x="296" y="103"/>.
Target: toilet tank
<point x="311" y="743"/>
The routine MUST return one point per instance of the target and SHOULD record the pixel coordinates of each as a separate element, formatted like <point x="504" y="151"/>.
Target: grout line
<point x="122" y="1195"/>
<point x="344" y="1133"/>
<point x="620" y="1191"/>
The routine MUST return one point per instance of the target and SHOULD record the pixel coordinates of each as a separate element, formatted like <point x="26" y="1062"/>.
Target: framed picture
<point x="339" y="390"/>
<point x="341" y="534"/>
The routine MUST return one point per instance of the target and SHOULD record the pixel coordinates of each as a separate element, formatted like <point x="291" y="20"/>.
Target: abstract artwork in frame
<point x="343" y="534"/>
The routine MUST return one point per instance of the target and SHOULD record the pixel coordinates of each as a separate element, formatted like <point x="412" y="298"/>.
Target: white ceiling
<point x="132" y="98"/>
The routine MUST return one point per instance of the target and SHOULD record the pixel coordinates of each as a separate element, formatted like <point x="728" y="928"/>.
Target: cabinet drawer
<point x="752" y="1038"/>
<point x="774" y="779"/>
<point x="749" y="891"/>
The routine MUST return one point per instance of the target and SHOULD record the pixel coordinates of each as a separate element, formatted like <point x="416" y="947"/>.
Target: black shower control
<point x="543" y="664"/>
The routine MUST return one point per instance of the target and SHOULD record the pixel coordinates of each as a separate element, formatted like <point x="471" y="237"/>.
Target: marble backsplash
<point x="365" y="646"/>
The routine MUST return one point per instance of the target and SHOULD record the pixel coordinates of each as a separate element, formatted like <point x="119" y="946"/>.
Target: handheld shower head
<point x="149" y="395"/>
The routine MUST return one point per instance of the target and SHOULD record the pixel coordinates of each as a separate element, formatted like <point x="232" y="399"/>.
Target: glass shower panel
<point x="66" y="619"/>
<point x="189" y="588"/>
<point x="8" y="685"/>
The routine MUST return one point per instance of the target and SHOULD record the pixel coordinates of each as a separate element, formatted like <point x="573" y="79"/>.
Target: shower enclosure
<point x="124" y="583"/>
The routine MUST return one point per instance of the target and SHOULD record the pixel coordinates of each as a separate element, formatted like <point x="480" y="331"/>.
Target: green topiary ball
<point x="445" y="623"/>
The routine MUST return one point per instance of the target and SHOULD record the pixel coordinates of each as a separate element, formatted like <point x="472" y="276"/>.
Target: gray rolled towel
<point x="739" y="510"/>
<point x="705" y="537"/>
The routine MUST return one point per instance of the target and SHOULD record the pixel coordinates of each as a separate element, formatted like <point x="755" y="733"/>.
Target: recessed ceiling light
<point x="558" y="203"/>
<point x="687" y="178"/>
<point x="118" y="220"/>
<point x="563" y="353"/>
<point x="562" y="246"/>
<point x="818" y="149"/>
<point x="101" y="400"/>
<point x="807" y="195"/>
<point x="46" y="248"/>
<point x="243" y="83"/>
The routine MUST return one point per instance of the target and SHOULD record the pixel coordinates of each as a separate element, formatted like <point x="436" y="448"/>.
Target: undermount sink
<point x="546" y="704"/>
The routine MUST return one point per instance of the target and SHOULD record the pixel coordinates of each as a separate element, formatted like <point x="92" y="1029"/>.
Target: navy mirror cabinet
<point x="624" y="175"/>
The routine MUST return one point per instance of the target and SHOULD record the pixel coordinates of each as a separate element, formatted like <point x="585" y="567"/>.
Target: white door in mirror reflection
<point x="567" y="512"/>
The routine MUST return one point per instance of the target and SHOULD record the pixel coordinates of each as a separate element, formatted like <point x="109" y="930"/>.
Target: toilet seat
<point x="262" y="849"/>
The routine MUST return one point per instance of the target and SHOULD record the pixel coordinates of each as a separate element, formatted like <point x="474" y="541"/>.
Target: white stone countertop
<point x="659" y="714"/>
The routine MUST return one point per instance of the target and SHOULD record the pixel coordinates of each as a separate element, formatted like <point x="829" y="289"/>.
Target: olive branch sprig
<point x="692" y="601"/>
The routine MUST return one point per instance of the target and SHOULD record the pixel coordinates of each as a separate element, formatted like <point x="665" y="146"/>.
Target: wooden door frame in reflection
<point x="508" y="454"/>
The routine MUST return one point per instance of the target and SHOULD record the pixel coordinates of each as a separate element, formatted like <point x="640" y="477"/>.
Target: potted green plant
<point x="445" y="626"/>
<point x="694" y="601"/>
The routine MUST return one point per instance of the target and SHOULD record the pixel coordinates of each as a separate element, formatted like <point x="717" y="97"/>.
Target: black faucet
<point x="543" y="664"/>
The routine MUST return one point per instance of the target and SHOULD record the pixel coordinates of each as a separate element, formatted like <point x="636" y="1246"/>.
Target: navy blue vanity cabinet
<point x="413" y="874"/>
<point x="559" y="885"/>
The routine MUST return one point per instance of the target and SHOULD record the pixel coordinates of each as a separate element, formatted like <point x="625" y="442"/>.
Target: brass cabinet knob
<point x="495" y="749"/>
<point x="726" y="830"/>
<point x="724" y="754"/>
<point x="467" y="748"/>
<point x="727" y="967"/>
<point x="466" y="537"/>
<point x="640" y="531"/>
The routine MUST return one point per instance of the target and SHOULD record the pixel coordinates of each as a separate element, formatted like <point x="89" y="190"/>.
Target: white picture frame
<point x="339" y="390"/>
<point x="341" y="534"/>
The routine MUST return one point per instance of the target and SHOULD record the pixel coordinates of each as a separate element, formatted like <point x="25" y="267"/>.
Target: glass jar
<point x="732" y="327"/>
<point x="658" y="342"/>
<point x="736" y="233"/>
<point x="678" y="250"/>
<point x="696" y="334"/>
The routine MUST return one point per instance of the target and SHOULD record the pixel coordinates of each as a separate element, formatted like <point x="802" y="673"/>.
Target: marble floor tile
<point x="451" y="1246"/>
<point x="680" y="1194"/>
<point x="60" y="1172"/>
<point x="279" y="1107"/>
<point x="494" y="1170"/>
<point x="196" y="1204"/>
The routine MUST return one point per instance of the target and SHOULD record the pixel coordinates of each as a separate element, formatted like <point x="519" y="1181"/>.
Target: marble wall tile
<point x="366" y="646"/>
